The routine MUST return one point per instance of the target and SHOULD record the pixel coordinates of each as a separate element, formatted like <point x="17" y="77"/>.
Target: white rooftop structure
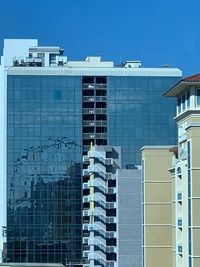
<point x="49" y="60"/>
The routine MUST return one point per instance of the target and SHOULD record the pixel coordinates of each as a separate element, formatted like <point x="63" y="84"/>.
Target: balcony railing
<point x="101" y="123"/>
<point x="86" y="234"/>
<point x="92" y="86"/>
<point x="95" y="123"/>
<point x="29" y="61"/>
<point x="86" y="199"/>
<point x="89" y="86"/>
<point x="93" y="111"/>
<point x="94" y="98"/>
<point x="86" y="248"/>
<point x="86" y="221"/>
<point x="88" y="135"/>
<point x="85" y="172"/>
<point x="101" y="86"/>
<point x="89" y="123"/>
<point x="85" y="227"/>
<point x="101" y="135"/>
<point x="85" y="159"/>
<point x="88" y="111"/>
<point x="85" y="186"/>
<point x="86" y="213"/>
<point x="101" y="110"/>
<point x="101" y="98"/>
<point x="88" y="98"/>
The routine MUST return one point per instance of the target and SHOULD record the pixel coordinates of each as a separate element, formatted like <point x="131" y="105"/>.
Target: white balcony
<point x="86" y="186"/>
<point x="85" y="226"/>
<point x="85" y="255"/>
<point x="86" y="212"/>
<point x="85" y="159"/>
<point x="85" y="172"/>
<point x="109" y="161"/>
<point x="86" y="199"/>
<point x="91" y="168"/>
<point x="85" y="240"/>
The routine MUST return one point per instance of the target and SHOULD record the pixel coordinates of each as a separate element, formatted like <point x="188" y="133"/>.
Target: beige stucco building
<point x="157" y="206"/>
<point x="179" y="192"/>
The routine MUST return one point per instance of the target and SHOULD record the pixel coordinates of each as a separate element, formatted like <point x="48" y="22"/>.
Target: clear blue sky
<point x="154" y="31"/>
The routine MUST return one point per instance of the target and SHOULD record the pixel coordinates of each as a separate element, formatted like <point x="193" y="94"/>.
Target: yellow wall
<point x="157" y="207"/>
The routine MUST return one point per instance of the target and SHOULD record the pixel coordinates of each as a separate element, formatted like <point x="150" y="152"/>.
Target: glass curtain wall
<point x="139" y="114"/>
<point x="44" y="157"/>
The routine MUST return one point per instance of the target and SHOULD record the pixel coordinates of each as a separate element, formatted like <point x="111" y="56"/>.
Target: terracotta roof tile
<point x="193" y="78"/>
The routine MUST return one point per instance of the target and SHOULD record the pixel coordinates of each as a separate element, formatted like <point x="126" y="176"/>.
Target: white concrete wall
<point x="129" y="215"/>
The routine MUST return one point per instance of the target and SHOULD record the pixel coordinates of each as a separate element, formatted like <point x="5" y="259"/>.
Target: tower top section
<point x="23" y="53"/>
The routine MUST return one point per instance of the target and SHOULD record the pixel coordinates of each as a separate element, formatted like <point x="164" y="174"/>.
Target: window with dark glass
<point x="52" y="58"/>
<point x="183" y="102"/>
<point x="188" y="99"/>
<point x="179" y="105"/>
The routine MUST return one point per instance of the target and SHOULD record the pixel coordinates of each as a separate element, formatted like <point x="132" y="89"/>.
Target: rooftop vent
<point x="132" y="64"/>
<point x="165" y="65"/>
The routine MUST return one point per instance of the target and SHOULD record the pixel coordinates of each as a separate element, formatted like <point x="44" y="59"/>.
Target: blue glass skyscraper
<point x="52" y="109"/>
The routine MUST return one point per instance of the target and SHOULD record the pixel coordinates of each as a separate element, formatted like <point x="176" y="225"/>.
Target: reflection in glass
<point x="44" y="172"/>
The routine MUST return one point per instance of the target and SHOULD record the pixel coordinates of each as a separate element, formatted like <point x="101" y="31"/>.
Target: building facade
<point x="112" y="235"/>
<point x="187" y="171"/>
<point x="129" y="217"/>
<point x="51" y="110"/>
<point x="184" y="170"/>
<point x="157" y="206"/>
